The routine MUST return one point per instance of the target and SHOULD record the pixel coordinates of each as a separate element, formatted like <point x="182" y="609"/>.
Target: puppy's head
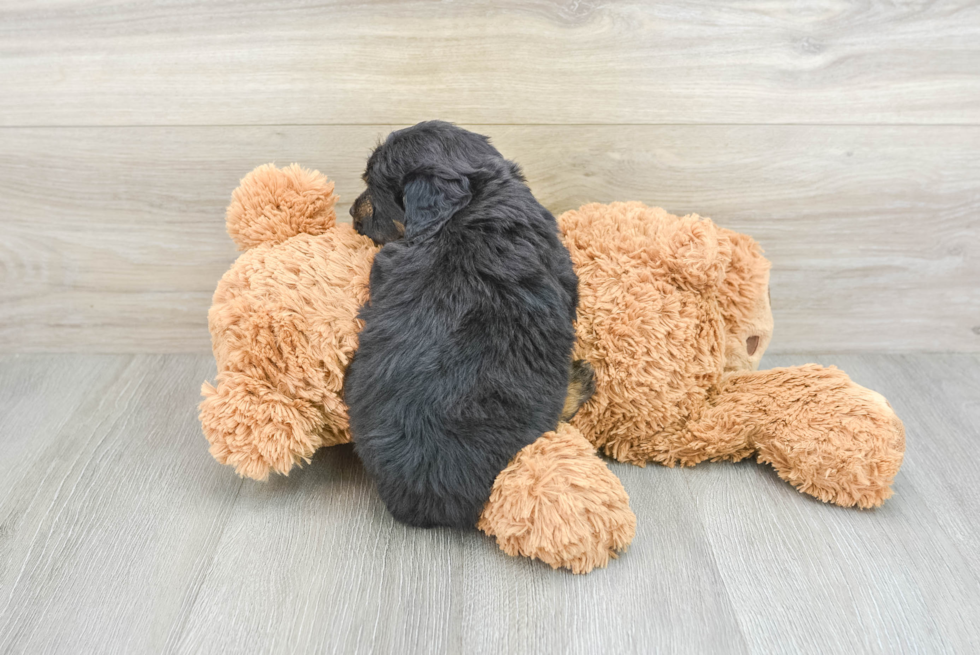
<point x="418" y="179"/>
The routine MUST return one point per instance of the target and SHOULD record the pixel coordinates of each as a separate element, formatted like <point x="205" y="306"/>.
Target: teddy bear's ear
<point x="749" y="267"/>
<point x="273" y="204"/>
<point x="695" y="251"/>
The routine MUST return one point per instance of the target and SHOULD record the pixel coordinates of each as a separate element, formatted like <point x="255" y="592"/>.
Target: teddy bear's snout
<point x="752" y="344"/>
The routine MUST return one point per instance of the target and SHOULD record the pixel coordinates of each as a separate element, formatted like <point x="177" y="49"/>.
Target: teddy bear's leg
<point x="826" y="435"/>
<point x="258" y="428"/>
<point x="558" y="502"/>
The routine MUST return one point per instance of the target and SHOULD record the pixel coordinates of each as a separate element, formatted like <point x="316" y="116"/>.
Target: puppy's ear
<point x="431" y="196"/>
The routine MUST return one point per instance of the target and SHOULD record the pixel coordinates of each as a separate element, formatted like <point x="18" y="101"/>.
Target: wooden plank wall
<point x="843" y="136"/>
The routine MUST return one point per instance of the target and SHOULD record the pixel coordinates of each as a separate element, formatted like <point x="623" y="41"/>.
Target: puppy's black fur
<point x="465" y="352"/>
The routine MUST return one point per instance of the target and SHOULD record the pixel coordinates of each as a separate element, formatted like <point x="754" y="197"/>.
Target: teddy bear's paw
<point x="559" y="503"/>
<point x="847" y="452"/>
<point x="257" y="429"/>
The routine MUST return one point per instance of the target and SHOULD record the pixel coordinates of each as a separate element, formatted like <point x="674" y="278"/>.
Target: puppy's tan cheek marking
<point x="363" y="209"/>
<point x="400" y="227"/>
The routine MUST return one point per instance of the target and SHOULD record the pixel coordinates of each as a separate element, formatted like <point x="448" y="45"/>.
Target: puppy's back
<point x="464" y="355"/>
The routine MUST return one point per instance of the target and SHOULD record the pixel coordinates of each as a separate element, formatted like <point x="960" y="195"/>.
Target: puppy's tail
<point x="273" y="204"/>
<point x="581" y="386"/>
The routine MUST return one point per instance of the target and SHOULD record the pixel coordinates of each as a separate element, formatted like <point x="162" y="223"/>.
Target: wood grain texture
<point x="399" y="589"/>
<point x="121" y="535"/>
<point x="113" y="238"/>
<point x="113" y="518"/>
<point x="187" y="62"/>
<point x="38" y="397"/>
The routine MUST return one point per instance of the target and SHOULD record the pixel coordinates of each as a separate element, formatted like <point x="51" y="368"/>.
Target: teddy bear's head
<point x="668" y="304"/>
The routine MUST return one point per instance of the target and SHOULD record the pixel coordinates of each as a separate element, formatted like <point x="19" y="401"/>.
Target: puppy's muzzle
<point x="361" y="209"/>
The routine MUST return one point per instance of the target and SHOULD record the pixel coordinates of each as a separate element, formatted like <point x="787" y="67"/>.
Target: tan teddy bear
<point x="674" y="316"/>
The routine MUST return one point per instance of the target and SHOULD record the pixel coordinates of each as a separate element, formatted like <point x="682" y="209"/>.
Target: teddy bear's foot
<point x="256" y="428"/>
<point x="558" y="502"/>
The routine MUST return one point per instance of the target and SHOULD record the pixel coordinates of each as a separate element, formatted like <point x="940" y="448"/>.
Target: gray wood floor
<point x="118" y="533"/>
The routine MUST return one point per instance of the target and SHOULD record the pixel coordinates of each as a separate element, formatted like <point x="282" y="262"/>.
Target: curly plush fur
<point x="674" y="317"/>
<point x="274" y="205"/>
<point x="558" y="502"/>
<point x="467" y="340"/>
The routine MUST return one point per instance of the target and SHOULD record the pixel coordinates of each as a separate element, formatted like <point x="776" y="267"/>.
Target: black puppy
<point x="465" y="355"/>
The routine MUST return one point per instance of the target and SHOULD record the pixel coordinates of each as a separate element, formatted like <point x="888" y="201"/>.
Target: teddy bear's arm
<point x="826" y="435"/>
